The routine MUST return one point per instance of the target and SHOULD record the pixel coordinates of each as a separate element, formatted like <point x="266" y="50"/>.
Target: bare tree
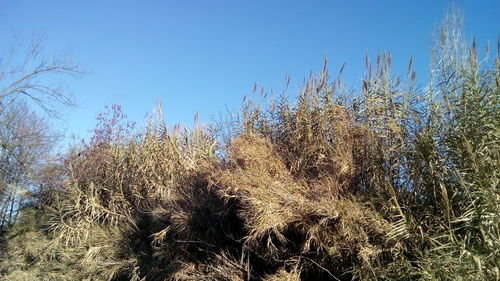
<point x="28" y="78"/>
<point x="25" y="73"/>
<point x="26" y="143"/>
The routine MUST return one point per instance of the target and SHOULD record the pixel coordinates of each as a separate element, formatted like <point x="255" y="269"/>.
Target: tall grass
<point x="387" y="182"/>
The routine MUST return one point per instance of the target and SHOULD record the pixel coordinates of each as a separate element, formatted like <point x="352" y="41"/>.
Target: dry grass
<point x="273" y="205"/>
<point x="389" y="183"/>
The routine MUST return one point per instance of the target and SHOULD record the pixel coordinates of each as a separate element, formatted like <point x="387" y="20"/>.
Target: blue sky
<point x="204" y="56"/>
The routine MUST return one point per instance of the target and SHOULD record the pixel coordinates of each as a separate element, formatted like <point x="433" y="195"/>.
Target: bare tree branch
<point x="37" y="79"/>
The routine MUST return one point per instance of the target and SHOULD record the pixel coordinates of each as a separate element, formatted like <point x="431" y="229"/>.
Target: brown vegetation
<point x="387" y="183"/>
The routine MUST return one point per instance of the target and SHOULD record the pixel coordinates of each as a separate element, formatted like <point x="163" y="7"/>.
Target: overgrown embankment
<point x="390" y="182"/>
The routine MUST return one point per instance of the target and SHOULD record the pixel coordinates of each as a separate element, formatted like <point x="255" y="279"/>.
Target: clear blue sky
<point x="201" y="56"/>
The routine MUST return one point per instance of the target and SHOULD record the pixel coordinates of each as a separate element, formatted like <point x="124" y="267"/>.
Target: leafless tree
<point x="26" y="141"/>
<point x="26" y="73"/>
<point x="28" y="79"/>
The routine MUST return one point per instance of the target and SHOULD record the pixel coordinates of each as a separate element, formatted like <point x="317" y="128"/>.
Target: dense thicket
<point x="387" y="182"/>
